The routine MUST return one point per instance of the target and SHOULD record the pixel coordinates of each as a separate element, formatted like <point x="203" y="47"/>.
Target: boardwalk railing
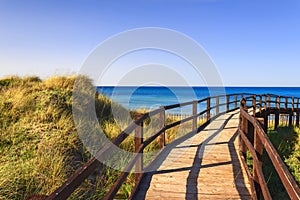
<point x="213" y="107"/>
<point x="253" y="138"/>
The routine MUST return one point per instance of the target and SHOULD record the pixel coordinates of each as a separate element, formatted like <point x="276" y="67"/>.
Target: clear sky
<point x="252" y="42"/>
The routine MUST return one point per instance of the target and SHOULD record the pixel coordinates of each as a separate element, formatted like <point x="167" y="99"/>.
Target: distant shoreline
<point x="151" y="97"/>
<point x="200" y="86"/>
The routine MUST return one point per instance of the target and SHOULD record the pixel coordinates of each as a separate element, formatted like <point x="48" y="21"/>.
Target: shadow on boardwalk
<point x="192" y="171"/>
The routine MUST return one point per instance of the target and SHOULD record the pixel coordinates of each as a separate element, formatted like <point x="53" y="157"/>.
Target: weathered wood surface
<point x="202" y="165"/>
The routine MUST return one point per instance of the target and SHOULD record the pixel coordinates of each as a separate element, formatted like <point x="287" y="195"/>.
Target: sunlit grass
<point x="38" y="138"/>
<point x="286" y="141"/>
<point x="39" y="144"/>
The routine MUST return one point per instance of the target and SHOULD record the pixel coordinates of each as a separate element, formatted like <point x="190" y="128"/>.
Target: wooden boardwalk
<point x="202" y="165"/>
<point x="207" y="163"/>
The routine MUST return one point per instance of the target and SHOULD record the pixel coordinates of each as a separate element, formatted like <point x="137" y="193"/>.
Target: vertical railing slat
<point x="265" y="105"/>
<point x="244" y="128"/>
<point x="208" y="109"/>
<point x="138" y="142"/>
<point x="217" y="105"/>
<point x="258" y="146"/>
<point x="194" y="126"/>
<point x="235" y="101"/>
<point x="227" y="103"/>
<point x="162" y="121"/>
<point x="260" y="103"/>
<point x="254" y="104"/>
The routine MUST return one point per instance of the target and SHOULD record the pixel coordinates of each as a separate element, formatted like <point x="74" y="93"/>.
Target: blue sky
<point x="251" y="42"/>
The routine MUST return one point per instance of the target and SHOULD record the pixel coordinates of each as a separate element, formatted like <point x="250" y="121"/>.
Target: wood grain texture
<point x="203" y="165"/>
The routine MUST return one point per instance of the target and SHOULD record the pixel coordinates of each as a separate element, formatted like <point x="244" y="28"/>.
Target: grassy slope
<point x="286" y="140"/>
<point x="35" y="119"/>
<point x="39" y="146"/>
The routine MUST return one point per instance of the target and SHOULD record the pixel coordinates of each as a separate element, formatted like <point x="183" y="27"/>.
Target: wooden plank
<point x="220" y="190"/>
<point x="178" y="195"/>
<point x="206" y="166"/>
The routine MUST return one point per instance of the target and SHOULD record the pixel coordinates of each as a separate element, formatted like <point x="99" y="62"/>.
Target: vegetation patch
<point x="286" y="141"/>
<point x="39" y="144"/>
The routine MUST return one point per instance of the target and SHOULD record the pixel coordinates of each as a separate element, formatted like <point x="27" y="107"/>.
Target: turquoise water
<point x="153" y="97"/>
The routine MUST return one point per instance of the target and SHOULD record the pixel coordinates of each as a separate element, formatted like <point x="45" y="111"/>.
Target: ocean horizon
<point x="152" y="97"/>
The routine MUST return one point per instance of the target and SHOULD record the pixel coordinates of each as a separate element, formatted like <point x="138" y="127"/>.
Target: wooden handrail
<point x="254" y="138"/>
<point x="64" y="191"/>
<point x="81" y="174"/>
<point x="256" y="162"/>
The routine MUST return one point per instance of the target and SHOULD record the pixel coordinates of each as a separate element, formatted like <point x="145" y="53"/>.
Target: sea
<point x="149" y="98"/>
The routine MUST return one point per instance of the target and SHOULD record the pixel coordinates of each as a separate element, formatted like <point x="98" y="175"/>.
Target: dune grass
<point x="37" y="137"/>
<point x="286" y="141"/>
<point x="39" y="144"/>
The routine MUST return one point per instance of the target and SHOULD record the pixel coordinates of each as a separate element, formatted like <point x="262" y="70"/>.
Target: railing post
<point x="293" y="103"/>
<point x="290" y="119"/>
<point x="254" y="105"/>
<point x="195" y="104"/>
<point x="227" y="103"/>
<point x="217" y="105"/>
<point x="258" y="146"/>
<point x="297" y="113"/>
<point x="286" y="103"/>
<point x="235" y="101"/>
<point x="265" y="106"/>
<point x="244" y="128"/>
<point x="138" y="143"/>
<point x="291" y="113"/>
<point x="162" y="122"/>
<point x="260" y="103"/>
<point x="269" y="101"/>
<point x="243" y="104"/>
<point x="277" y="112"/>
<point x="266" y="121"/>
<point x="208" y="109"/>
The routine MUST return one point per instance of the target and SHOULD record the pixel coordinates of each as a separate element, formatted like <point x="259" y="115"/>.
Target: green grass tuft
<point x="286" y="141"/>
<point x="39" y="144"/>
